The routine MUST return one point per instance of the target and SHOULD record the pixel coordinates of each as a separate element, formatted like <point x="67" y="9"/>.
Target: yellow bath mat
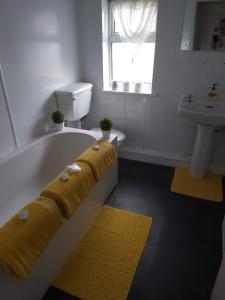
<point x="104" y="263"/>
<point x="207" y="188"/>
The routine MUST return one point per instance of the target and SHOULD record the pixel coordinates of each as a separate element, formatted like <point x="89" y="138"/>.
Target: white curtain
<point x="135" y="19"/>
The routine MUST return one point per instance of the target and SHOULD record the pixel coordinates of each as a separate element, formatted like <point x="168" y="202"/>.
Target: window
<point x="131" y="53"/>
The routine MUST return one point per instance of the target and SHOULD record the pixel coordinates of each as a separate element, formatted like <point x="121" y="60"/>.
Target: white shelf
<point x="146" y="92"/>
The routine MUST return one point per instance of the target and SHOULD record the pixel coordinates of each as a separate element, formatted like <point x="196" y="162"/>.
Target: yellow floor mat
<point x="103" y="265"/>
<point x="207" y="188"/>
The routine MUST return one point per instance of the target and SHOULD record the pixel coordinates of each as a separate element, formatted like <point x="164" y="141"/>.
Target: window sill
<point x="145" y="92"/>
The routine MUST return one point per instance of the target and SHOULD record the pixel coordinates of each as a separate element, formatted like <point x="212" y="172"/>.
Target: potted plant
<point x="58" y="119"/>
<point x="106" y="126"/>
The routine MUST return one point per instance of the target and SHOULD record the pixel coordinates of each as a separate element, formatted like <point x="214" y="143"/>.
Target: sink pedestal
<point x="202" y="151"/>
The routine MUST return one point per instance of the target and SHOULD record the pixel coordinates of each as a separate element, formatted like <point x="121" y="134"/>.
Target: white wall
<point x="151" y="123"/>
<point x="38" y="53"/>
<point x="189" y="25"/>
<point x="7" y="143"/>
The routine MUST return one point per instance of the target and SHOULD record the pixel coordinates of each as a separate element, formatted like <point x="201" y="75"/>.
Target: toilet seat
<point x="120" y="135"/>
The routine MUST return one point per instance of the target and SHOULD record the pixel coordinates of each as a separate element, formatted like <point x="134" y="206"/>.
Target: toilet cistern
<point x="74" y="100"/>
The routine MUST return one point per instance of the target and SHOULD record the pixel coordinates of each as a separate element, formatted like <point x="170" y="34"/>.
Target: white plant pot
<point x="106" y="134"/>
<point x="126" y="86"/>
<point x="138" y="87"/>
<point x="59" y="126"/>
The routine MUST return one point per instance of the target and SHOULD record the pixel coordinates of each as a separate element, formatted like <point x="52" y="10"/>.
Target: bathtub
<point x="23" y="174"/>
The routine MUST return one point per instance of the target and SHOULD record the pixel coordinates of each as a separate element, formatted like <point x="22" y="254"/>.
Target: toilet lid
<point x="120" y="135"/>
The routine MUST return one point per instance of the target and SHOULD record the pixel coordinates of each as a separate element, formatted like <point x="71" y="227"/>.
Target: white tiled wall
<point x="151" y="123"/>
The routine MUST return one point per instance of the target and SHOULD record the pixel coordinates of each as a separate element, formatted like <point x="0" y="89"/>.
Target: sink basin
<point x="202" y="112"/>
<point x="207" y="116"/>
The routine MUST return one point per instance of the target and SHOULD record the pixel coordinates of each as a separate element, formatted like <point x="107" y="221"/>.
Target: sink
<point x="202" y="112"/>
<point x="207" y="116"/>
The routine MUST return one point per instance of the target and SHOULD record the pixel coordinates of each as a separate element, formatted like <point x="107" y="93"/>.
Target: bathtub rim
<point x="36" y="141"/>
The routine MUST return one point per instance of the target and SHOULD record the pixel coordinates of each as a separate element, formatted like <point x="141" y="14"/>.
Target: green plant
<point x="58" y="117"/>
<point x="106" y="124"/>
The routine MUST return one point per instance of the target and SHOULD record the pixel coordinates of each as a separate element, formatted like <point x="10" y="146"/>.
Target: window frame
<point x="115" y="38"/>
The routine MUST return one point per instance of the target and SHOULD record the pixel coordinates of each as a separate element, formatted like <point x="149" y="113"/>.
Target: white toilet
<point x="120" y="135"/>
<point x="74" y="100"/>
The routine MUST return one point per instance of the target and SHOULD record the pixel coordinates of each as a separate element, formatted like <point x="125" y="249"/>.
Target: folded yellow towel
<point x="99" y="159"/>
<point x="69" y="193"/>
<point x="23" y="241"/>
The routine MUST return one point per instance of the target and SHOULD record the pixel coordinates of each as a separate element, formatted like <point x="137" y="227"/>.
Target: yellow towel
<point x="99" y="160"/>
<point x="69" y="194"/>
<point x="22" y="242"/>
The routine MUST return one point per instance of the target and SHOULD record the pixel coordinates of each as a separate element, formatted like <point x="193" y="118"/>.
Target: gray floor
<point x="183" y="252"/>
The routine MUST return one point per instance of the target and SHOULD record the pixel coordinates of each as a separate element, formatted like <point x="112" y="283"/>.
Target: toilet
<point x="74" y="100"/>
<point x="120" y="135"/>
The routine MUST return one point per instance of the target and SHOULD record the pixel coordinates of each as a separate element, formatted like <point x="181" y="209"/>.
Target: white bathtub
<point x="22" y="176"/>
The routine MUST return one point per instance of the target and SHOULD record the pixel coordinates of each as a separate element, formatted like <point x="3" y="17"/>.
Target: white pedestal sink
<point x="201" y="155"/>
<point x="207" y="115"/>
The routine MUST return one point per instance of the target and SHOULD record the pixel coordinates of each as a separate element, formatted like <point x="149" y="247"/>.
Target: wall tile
<point x="135" y="133"/>
<point x="177" y="77"/>
<point x="98" y="105"/>
<point x="156" y="110"/>
<point x="154" y="137"/>
<point x="172" y="114"/>
<point x="119" y="124"/>
<point x="115" y="106"/>
<point x="136" y="107"/>
<point x="92" y="122"/>
<point x="175" y="141"/>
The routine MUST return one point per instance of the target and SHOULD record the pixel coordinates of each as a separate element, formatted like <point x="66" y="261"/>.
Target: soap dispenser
<point x="212" y="94"/>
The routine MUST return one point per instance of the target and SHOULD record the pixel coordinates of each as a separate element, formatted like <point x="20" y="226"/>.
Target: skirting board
<point x="151" y="156"/>
<point x="162" y="158"/>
